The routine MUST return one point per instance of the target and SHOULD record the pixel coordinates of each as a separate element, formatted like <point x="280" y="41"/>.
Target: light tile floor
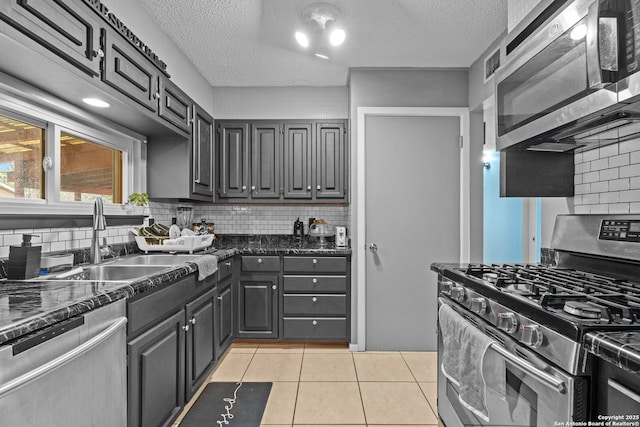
<point x="316" y="384"/>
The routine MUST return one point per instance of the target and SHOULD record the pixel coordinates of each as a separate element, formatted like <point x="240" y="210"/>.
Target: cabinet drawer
<point x="315" y="284"/>
<point x="225" y="269"/>
<point x="260" y="263"/>
<point x="334" y="328"/>
<point x="309" y="304"/>
<point x="294" y="264"/>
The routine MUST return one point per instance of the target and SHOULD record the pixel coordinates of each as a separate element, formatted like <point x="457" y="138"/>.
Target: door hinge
<point x="461" y="142"/>
<point x="282" y="130"/>
<point x="219" y="130"/>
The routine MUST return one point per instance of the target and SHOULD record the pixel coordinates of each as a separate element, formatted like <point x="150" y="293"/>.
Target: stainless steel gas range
<point x="516" y="341"/>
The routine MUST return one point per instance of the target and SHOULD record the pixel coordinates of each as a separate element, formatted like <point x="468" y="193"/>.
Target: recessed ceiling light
<point x="320" y="55"/>
<point x="95" y="102"/>
<point x="302" y="39"/>
<point x="337" y="36"/>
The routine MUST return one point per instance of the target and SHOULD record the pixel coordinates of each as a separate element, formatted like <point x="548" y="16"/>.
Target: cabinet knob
<point x="244" y="187"/>
<point x="259" y="260"/>
<point x="185" y="328"/>
<point x="274" y="287"/>
<point x="319" y="188"/>
<point x="314" y="323"/>
<point x="315" y="261"/>
<point x="314" y="299"/>
<point x="99" y="53"/>
<point x="315" y="280"/>
<point x="308" y="188"/>
<point x="192" y="320"/>
<point x="253" y="188"/>
<point x="228" y="264"/>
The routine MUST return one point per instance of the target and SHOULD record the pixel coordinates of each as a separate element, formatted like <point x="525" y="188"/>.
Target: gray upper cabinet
<point x="126" y="70"/>
<point x="290" y="161"/>
<point x="175" y="105"/>
<point x="298" y="141"/>
<point x="266" y="155"/>
<point x="202" y="156"/>
<point x="330" y="161"/>
<point x="61" y="26"/>
<point x="233" y="160"/>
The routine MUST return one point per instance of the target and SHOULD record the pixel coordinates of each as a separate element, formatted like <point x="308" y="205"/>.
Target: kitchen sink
<point x="157" y="260"/>
<point x="106" y="272"/>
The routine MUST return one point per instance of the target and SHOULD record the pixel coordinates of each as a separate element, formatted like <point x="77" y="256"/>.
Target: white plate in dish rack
<point x="182" y="244"/>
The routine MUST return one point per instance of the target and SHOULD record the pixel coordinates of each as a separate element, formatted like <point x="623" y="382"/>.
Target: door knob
<point x="373" y="247"/>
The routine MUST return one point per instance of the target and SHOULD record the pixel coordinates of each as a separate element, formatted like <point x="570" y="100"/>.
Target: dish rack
<point x="182" y="244"/>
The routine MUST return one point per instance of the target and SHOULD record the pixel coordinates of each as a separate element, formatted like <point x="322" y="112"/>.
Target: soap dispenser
<point x="24" y="260"/>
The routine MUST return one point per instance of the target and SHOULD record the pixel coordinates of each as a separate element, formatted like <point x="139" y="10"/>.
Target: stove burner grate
<point x="582" y="309"/>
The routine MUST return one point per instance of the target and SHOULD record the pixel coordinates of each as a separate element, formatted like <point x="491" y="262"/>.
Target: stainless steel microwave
<point x="572" y="80"/>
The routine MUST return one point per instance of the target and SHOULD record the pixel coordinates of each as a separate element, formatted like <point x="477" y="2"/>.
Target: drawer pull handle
<point x="315" y="280"/>
<point x="315" y="261"/>
<point x="192" y="320"/>
<point x="185" y="328"/>
<point x="219" y="298"/>
<point x="314" y="323"/>
<point x="314" y="299"/>
<point x="274" y="287"/>
<point x="259" y="260"/>
<point x="228" y="264"/>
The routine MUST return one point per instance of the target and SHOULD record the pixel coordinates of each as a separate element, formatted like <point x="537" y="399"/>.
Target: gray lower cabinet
<point x="156" y="391"/>
<point x="171" y="348"/>
<point x="257" y="306"/>
<point x="224" y="324"/>
<point x="316" y="298"/>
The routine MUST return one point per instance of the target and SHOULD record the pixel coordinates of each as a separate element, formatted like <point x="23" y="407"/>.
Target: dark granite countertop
<point x="28" y="306"/>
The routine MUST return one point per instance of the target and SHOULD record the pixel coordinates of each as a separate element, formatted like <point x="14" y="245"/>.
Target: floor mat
<point x="232" y="404"/>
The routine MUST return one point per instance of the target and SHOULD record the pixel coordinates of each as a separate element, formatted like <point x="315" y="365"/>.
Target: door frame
<point x="360" y="238"/>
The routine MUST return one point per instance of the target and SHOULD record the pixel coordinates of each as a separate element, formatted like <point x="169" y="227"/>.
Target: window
<point x="88" y="170"/>
<point x="21" y="152"/>
<point x="54" y="164"/>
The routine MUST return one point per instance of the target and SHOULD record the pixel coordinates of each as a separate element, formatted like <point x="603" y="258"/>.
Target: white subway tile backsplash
<point x="582" y="209"/>
<point x="591" y="199"/>
<point x="619" y="208"/>
<point x="600" y="187"/>
<point x="608" y="151"/>
<point x="599" y="209"/>
<point x="588" y="156"/>
<point x="634" y="157"/>
<point x="612" y="197"/>
<point x="582" y="189"/>
<point x="629" y="196"/>
<point x="12" y="239"/>
<point x="631" y="170"/>
<point x="619" y="160"/>
<point x="628" y="146"/>
<point x="591" y="177"/>
<point x="634" y="182"/>
<point x="600" y="164"/>
<point x="609" y="174"/>
<point x="583" y="168"/>
<point x="619" y="184"/>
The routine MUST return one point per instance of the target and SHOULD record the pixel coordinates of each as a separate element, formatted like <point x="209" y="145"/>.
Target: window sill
<point x="38" y="221"/>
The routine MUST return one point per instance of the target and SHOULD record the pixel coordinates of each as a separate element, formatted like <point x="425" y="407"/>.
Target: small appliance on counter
<point x="24" y="260"/>
<point x="341" y="237"/>
<point x="298" y="229"/>
<point x="184" y="216"/>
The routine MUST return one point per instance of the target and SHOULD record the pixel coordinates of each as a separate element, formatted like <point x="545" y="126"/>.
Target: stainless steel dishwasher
<point x="71" y="374"/>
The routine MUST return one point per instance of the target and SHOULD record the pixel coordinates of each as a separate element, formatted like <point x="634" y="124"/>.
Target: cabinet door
<point x="297" y="159"/>
<point x="266" y="155"/>
<point x="175" y="106"/>
<point x="257" y="306"/>
<point x="201" y="339"/>
<point x="202" y="135"/>
<point x="68" y="29"/>
<point x="233" y="160"/>
<point x="225" y="317"/>
<point x="156" y="374"/>
<point x="126" y="70"/>
<point x="330" y="161"/>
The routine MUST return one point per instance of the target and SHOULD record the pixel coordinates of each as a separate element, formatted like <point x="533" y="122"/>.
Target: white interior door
<point x="412" y="218"/>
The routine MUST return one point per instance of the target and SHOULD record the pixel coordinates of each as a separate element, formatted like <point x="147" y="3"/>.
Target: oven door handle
<point x="545" y="378"/>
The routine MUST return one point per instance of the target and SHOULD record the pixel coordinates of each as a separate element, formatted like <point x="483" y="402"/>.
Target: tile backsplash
<point x="229" y="219"/>
<point x="607" y="179"/>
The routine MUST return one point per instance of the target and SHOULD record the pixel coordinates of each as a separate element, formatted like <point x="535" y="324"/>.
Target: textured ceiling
<point x="250" y="42"/>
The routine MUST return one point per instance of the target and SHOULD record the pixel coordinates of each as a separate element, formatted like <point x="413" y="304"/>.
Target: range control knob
<point x="458" y="293"/>
<point x="445" y="287"/>
<point x="479" y="305"/>
<point x="507" y="322"/>
<point x="531" y="335"/>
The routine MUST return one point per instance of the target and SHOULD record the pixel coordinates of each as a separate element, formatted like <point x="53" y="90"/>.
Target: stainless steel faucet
<point x="99" y="223"/>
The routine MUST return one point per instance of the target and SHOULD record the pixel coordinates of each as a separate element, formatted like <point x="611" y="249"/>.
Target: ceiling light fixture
<point x="322" y="29"/>
<point x="95" y="102"/>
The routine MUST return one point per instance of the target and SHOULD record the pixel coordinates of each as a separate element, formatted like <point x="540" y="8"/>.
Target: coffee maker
<point x="298" y="229"/>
